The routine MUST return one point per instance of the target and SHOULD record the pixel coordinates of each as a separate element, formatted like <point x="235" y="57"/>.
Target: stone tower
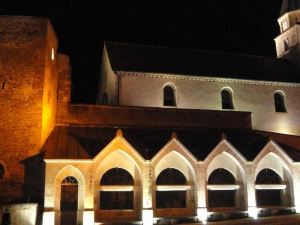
<point x="29" y="69"/>
<point x="288" y="42"/>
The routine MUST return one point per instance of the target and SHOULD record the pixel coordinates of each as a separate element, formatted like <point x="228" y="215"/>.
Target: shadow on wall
<point x="34" y="168"/>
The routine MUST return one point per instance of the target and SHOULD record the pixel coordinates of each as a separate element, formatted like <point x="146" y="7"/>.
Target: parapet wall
<point x="121" y="116"/>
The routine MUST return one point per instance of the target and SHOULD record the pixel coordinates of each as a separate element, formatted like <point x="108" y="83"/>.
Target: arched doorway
<point x="69" y="201"/>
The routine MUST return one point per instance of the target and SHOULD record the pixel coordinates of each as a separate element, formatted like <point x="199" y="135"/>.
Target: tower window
<point x="226" y="97"/>
<point x="279" y="102"/>
<point x="52" y="54"/>
<point x="169" y="96"/>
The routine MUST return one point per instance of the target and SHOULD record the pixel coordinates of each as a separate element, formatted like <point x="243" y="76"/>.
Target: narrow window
<point x="169" y="96"/>
<point x="286" y="45"/>
<point x="279" y="102"/>
<point x="1" y="171"/>
<point x="52" y="54"/>
<point x="226" y="97"/>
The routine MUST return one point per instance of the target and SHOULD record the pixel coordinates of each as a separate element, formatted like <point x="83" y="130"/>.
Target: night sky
<point x="240" y="26"/>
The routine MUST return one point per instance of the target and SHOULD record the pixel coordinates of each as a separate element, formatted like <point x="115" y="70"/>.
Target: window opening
<point x="279" y="102"/>
<point x="169" y="96"/>
<point x="226" y="97"/>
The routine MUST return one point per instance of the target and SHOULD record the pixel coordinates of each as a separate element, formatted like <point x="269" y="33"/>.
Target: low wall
<point x="123" y="116"/>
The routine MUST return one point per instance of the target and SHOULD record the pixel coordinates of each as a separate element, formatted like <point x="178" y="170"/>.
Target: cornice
<point x="204" y="78"/>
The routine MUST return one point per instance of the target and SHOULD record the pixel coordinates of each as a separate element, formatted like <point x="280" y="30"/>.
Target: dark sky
<point x="240" y="26"/>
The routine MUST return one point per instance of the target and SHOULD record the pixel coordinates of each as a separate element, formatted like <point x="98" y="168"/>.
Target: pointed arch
<point x="118" y="154"/>
<point x="174" y="146"/>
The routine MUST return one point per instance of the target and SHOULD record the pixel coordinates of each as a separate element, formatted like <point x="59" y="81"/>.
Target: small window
<point x="52" y="54"/>
<point x="1" y="171"/>
<point x="286" y="44"/>
<point x="226" y="96"/>
<point x="169" y="96"/>
<point x="279" y="102"/>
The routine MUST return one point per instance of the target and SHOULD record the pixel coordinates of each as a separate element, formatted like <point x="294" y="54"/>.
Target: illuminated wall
<point x="144" y="89"/>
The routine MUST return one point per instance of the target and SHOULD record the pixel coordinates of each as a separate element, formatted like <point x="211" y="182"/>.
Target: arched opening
<point x="221" y="189"/>
<point x="269" y="188"/>
<point x="226" y="97"/>
<point x="69" y="194"/>
<point x="116" y="190"/>
<point x="2" y="171"/>
<point x="279" y="102"/>
<point x="169" y="96"/>
<point x="171" y="189"/>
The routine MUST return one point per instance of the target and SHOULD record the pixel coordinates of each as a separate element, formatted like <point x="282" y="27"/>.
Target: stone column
<point x="251" y="196"/>
<point x="147" y="214"/>
<point x="201" y="192"/>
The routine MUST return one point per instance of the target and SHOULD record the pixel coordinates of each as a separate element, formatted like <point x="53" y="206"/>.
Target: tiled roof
<point x="155" y="59"/>
<point x="70" y="142"/>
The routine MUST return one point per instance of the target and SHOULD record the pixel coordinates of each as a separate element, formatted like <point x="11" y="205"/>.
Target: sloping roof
<point x="69" y="142"/>
<point x="155" y="59"/>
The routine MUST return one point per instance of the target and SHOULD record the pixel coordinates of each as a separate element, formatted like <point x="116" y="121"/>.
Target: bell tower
<point x="288" y="42"/>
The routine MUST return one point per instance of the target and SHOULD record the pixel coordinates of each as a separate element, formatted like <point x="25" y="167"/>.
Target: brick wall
<point x="24" y="51"/>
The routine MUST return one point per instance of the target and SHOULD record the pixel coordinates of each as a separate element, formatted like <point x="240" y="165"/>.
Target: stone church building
<point x="177" y="135"/>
